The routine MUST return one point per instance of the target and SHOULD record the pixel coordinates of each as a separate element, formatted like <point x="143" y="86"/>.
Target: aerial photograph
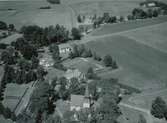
<point x="83" y="61"/>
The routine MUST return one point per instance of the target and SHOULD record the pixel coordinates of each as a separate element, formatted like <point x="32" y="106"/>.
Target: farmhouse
<point x="79" y="102"/>
<point x="65" y="48"/>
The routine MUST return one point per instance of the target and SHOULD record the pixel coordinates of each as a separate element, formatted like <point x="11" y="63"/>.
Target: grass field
<point x="141" y="66"/>
<point x="154" y="36"/>
<point x="98" y="7"/>
<point x="126" y="26"/>
<point x="129" y="115"/>
<point x="28" y="12"/>
<point x="82" y="64"/>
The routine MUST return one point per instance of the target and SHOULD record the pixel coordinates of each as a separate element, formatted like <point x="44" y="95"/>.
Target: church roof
<point x="77" y="100"/>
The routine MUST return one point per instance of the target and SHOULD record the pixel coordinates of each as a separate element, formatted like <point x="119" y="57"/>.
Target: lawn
<point x="140" y="66"/>
<point x="154" y="36"/>
<point x="126" y="26"/>
<point x="28" y="12"/>
<point x="79" y="63"/>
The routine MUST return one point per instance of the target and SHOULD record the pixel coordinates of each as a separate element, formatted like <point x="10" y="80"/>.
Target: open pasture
<point x="140" y="66"/>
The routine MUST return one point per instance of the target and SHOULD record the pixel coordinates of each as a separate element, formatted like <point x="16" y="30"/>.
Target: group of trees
<point x="82" y="51"/>
<point x="138" y="13"/>
<point x="159" y="108"/>
<point x="5" y="26"/>
<point x="7" y="113"/>
<point x="45" y="36"/>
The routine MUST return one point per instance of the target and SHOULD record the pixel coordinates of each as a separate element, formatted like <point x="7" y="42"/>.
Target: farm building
<point x="65" y="48"/>
<point x="79" y="102"/>
<point x="74" y="73"/>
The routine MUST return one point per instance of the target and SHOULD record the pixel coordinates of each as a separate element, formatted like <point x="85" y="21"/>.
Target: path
<point x="149" y="117"/>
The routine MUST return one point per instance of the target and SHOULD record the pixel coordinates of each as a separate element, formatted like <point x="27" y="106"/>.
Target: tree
<point x="142" y="119"/>
<point x="76" y="33"/>
<point x="38" y="118"/>
<point x="109" y="110"/>
<point x="106" y="17"/>
<point x="3" y="25"/>
<point x="155" y="13"/>
<point x="54" y="49"/>
<point x="159" y="108"/>
<point x="74" y="85"/>
<point x="79" y="19"/>
<point x="108" y="61"/>
<point x="90" y="74"/>
<point x="39" y="98"/>
<point x="11" y="27"/>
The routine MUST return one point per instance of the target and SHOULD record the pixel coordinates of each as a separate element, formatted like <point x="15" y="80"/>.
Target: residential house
<point x="79" y="102"/>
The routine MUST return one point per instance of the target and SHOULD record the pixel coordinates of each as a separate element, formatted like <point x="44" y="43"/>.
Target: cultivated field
<point x="28" y="13"/>
<point x="141" y="66"/>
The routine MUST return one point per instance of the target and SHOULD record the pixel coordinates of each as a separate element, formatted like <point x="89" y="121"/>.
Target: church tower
<point x="87" y="98"/>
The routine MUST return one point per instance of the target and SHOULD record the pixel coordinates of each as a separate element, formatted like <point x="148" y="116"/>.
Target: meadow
<point x="140" y="66"/>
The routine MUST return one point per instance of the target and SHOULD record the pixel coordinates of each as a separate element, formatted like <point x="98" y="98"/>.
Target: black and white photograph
<point x="83" y="61"/>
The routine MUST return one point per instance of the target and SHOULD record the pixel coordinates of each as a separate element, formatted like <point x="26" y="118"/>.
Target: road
<point x="149" y="117"/>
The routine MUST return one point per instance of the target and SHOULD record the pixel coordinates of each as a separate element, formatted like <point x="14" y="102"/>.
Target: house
<point x="79" y="102"/>
<point x="65" y="48"/>
<point x="74" y="73"/>
<point x="148" y="4"/>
